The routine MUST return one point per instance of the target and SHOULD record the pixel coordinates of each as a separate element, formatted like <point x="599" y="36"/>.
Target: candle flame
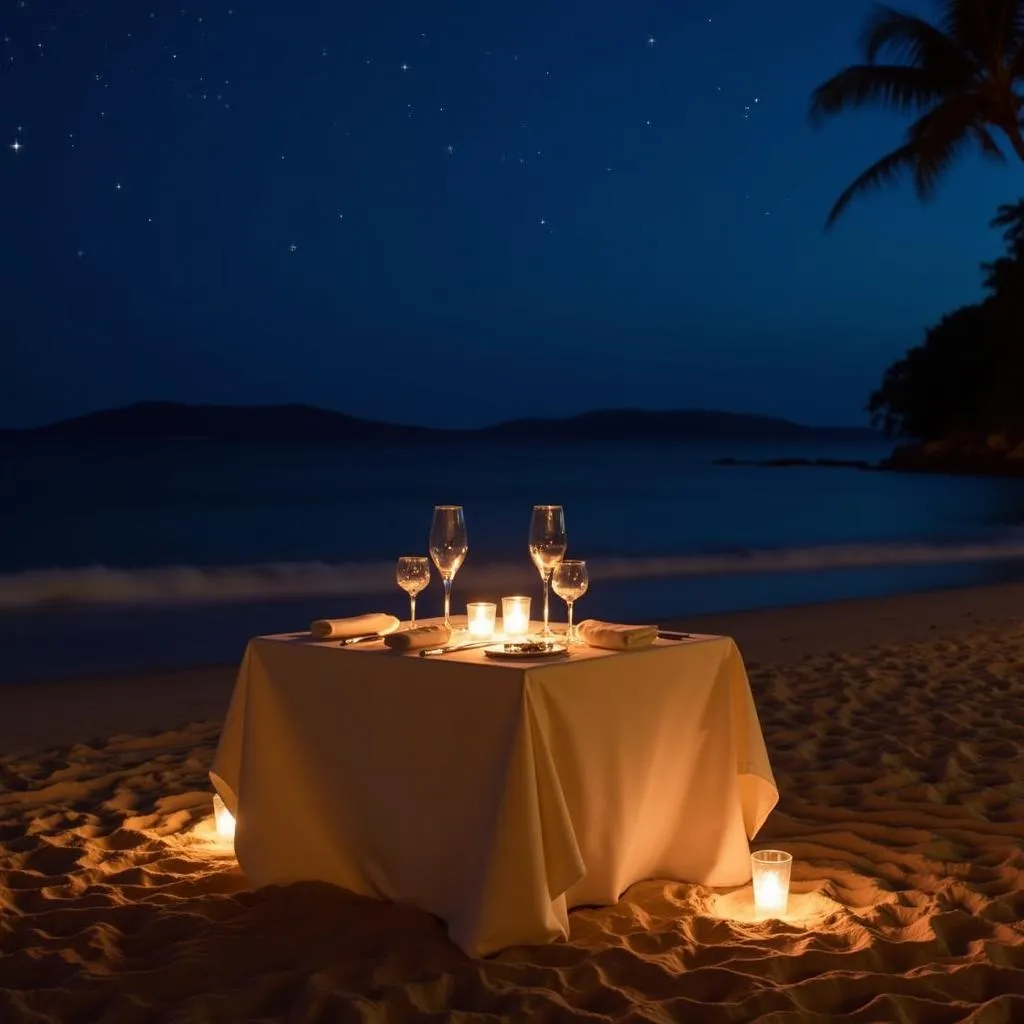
<point x="769" y="892"/>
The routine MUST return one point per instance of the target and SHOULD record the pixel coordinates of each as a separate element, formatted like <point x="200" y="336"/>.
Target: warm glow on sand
<point x="225" y="820"/>
<point x="807" y="910"/>
<point x="901" y="765"/>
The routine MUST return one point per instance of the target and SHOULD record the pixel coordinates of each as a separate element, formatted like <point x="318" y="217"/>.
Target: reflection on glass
<point x="413" y="575"/>
<point x="448" y="547"/>
<point x="547" y="547"/>
<point x="570" y="582"/>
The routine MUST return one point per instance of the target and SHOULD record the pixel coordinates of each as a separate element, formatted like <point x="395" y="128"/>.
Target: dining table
<point x="496" y="794"/>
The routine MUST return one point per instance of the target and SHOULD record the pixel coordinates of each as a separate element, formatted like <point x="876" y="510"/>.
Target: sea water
<point x="135" y="555"/>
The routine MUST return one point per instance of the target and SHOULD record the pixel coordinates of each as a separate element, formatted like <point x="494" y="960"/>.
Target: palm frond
<point x="962" y="78"/>
<point x="987" y="146"/>
<point x="984" y="27"/>
<point x="937" y="141"/>
<point x="913" y="41"/>
<point x="1010" y="217"/>
<point x="941" y="135"/>
<point x="891" y="85"/>
<point x="882" y="172"/>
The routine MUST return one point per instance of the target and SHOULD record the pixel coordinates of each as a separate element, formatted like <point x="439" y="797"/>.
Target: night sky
<point x="457" y="213"/>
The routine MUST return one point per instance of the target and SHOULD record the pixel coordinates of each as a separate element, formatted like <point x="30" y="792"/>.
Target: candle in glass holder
<point x="480" y="617"/>
<point x="771" y="870"/>
<point x="515" y="616"/>
<point x="223" y="819"/>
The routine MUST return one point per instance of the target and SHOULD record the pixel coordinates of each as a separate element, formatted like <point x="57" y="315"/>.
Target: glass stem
<point x="547" y="587"/>
<point x="412" y="609"/>
<point x="569" y="635"/>
<point x="448" y="603"/>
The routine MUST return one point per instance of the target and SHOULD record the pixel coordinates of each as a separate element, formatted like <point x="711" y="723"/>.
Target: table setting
<point x="518" y="637"/>
<point x="492" y="768"/>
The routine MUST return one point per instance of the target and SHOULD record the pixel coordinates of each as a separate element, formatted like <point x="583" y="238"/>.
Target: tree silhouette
<point x="963" y="77"/>
<point x="968" y="376"/>
<point x="1005" y="276"/>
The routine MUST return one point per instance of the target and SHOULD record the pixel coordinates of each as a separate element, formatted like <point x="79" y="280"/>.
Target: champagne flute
<point x="570" y="581"/>
<point x="448" y="547"/>
<point x="547" y="547"/>
<point x="413" y="575"/>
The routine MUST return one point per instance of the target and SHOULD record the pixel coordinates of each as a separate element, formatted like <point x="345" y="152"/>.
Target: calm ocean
<point x="130" y="556"/>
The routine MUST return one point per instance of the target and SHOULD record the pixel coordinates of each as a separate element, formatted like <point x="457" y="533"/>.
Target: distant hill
<point x="172" y="420"/>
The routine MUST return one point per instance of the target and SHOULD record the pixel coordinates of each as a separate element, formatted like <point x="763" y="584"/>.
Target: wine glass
<point x="547" y="547"/>
<point x="448" y="547"/>
<point x="413" y="575"/>
<point x="570" y="581"/>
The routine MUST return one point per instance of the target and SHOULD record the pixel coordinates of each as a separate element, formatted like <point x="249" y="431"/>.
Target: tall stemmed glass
<point x="570" y="582"/>
<point x="412" y="574"/>
<point x="547" y="547"/>
<point x="448" y="547"/>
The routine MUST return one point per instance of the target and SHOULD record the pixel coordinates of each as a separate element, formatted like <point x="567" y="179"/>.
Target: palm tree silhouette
<point x="964" y="77"/>
<point x="1005" y="276"/>
<point x="1010" y="217"/>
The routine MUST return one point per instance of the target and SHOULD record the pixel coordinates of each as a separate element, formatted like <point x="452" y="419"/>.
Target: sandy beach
<point x="895" y="729"/>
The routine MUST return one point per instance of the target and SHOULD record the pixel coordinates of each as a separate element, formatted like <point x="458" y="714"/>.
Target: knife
<point x="451" y="648"/>
<point x="676" y="636"/>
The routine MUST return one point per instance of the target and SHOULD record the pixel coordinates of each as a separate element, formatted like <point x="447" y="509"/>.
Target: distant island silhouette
<point x="177" y="421"/>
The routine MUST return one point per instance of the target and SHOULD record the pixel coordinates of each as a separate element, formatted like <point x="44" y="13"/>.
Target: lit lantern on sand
<point x="515" y="616"/>
<point x="480" y="619"/>
<point x="223" y="819"/>
<point x="771" y="870"/>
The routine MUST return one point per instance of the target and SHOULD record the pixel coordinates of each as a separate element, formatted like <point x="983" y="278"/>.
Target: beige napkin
<point x="615" y="637"/>
<point x="357" y="625"/>
<point x="419" y="638"/>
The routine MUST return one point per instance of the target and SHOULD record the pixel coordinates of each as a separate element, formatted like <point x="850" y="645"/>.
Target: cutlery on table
<point x="451" y="648"/>
<point x="366" y="637"/>
<point x="662" y="635"/>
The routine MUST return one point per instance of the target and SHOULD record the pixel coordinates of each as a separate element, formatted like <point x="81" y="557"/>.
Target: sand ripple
<point x="902" y="780"/>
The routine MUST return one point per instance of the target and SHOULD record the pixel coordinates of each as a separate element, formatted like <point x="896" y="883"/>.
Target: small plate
<point x="529" y="649"/>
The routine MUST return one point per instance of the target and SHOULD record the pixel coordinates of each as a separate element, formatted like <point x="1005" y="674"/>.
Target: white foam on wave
<point x="182" y="584"/>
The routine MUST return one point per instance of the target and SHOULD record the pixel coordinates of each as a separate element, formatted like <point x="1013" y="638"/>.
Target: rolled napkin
<point x="615" y="637"/>
<point x="356" y="625"/>
<point x="419" y="638"/>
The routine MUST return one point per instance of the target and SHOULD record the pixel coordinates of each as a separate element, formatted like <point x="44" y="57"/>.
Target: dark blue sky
<point x="492" y="210"/>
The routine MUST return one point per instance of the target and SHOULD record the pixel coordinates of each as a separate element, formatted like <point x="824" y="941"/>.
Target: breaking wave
<point x="182" y="584"/>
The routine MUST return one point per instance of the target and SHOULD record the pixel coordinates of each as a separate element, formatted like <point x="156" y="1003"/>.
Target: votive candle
<point x="515" y="616"/>
<point x="480" y="617"/>
<point x="771" y="870"/>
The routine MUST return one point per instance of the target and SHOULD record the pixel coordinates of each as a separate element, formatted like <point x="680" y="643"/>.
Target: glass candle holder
<point x="223" y="819"/>
<point x="480" y="617"/>
<point x="771" y="870"/>
<point x="515" y="616"/>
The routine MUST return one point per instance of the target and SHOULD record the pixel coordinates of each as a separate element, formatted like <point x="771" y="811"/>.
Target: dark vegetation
<point x="960" y="78"/>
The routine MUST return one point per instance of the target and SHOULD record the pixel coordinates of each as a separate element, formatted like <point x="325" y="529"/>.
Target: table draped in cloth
<point x="496" y="795"/>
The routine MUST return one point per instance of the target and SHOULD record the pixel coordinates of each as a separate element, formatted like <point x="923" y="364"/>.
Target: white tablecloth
<point x="495" y="794"/>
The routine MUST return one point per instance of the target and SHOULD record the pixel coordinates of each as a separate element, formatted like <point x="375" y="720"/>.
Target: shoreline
<point x="913" y="464"/>
<point x="96" y="706"/>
